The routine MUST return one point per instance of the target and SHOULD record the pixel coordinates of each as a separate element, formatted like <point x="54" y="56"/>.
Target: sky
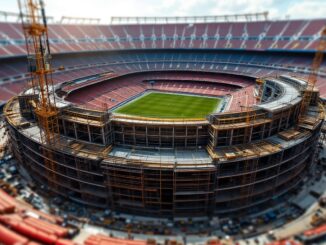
<point x="104" y="9"/>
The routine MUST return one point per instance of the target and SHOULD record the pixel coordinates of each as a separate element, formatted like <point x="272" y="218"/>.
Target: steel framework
<point x="34" y="24"/>
<point x="189" y="19"/>
<point x="312" y="79"/>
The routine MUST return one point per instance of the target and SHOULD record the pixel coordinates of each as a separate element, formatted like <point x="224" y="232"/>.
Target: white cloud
<point x="104" y="9"/>
<point x="307" y="9"/>
<point x="243" y="6"/>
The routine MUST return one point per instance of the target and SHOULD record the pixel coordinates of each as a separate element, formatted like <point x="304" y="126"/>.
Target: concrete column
<point x="280" y="123"/>
<point x="146" y="135"/>
<point x="173" y="136"/>
<point x="75" y="129"/>
<point x="278" y="170"/>
<point x="89" y="133"/>
<point x="134" y="134"/>
<point x="196" y="136"/>
<point x="112" y="134"/>
<point x="270" y="128"/>
<point x="288" y="119"/>
<point x="123" y="133"/>
<point x="159" y="136"/>
<point x="64" y="127"/>
<point x="250" y="134"/>
<point x="186" y="137"/>
<point x="103" y="135"/>
<point x="215" y="137"/>
<point x="263" y="132"/>
<point x="231" y="137"/>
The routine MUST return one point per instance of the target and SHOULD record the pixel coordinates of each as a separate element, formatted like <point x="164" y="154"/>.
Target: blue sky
<point x="104" y="9"/>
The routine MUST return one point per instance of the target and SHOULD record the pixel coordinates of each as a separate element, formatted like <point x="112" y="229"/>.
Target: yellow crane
<point x="312" y="79"/>
<point x="35" y="29"/>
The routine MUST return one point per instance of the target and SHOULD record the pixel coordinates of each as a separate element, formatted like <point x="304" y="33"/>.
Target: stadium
<point x="169" y="118"/>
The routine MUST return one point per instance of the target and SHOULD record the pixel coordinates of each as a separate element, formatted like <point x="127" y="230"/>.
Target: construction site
<point x="255" y="150"/>
<point x="229" y="164"/>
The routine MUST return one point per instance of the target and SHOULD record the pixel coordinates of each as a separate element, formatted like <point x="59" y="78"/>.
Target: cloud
<point x="247" y="6"/>
<point x="104" y="9"/>
<point x="307" y="9"/>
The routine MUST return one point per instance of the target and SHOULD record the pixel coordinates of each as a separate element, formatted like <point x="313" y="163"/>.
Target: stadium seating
<point x="264" y="35"/>
<point x="241" y="99"/>
<point x="252" y="64"/>
<point x="109" y="94"/>
<point x="301" y="35"/>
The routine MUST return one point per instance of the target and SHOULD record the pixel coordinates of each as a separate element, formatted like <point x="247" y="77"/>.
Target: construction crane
<point x="312" y="79"/>
<point x="34" y="25"/>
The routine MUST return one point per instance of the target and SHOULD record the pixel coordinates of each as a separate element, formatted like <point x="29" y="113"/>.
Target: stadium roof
<point x="189" y="19"/>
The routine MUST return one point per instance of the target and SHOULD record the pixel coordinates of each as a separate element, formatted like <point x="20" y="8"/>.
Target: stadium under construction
<point x="180" y="125"/>
<point x="225" y="164"/>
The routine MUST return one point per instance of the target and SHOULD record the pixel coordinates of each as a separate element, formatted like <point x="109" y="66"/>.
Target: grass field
<point x="165" y="105"/>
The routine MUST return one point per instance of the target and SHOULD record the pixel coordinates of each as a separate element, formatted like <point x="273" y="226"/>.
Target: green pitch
<point x="165" y="105"/>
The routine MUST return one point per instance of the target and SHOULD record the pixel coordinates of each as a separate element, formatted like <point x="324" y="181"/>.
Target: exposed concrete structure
<point x="229" y="164"/>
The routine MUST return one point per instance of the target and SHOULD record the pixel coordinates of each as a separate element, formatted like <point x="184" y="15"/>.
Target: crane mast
<point x="312" y="79"/>
<point x="34" y="25"/>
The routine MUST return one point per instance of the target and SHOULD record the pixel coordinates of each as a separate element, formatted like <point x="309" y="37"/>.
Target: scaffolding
<point x="170" y="168"/>
<point x="259" y="89"/>
<point x="310" y="94"/>
<point x="169" y="182"/>
<point x="238" y="128"/>
<point x="161" y="188"/>
<point x="233" y="137"/>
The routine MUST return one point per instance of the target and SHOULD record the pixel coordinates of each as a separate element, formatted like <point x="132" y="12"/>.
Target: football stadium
<point x="162" y="130"/>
